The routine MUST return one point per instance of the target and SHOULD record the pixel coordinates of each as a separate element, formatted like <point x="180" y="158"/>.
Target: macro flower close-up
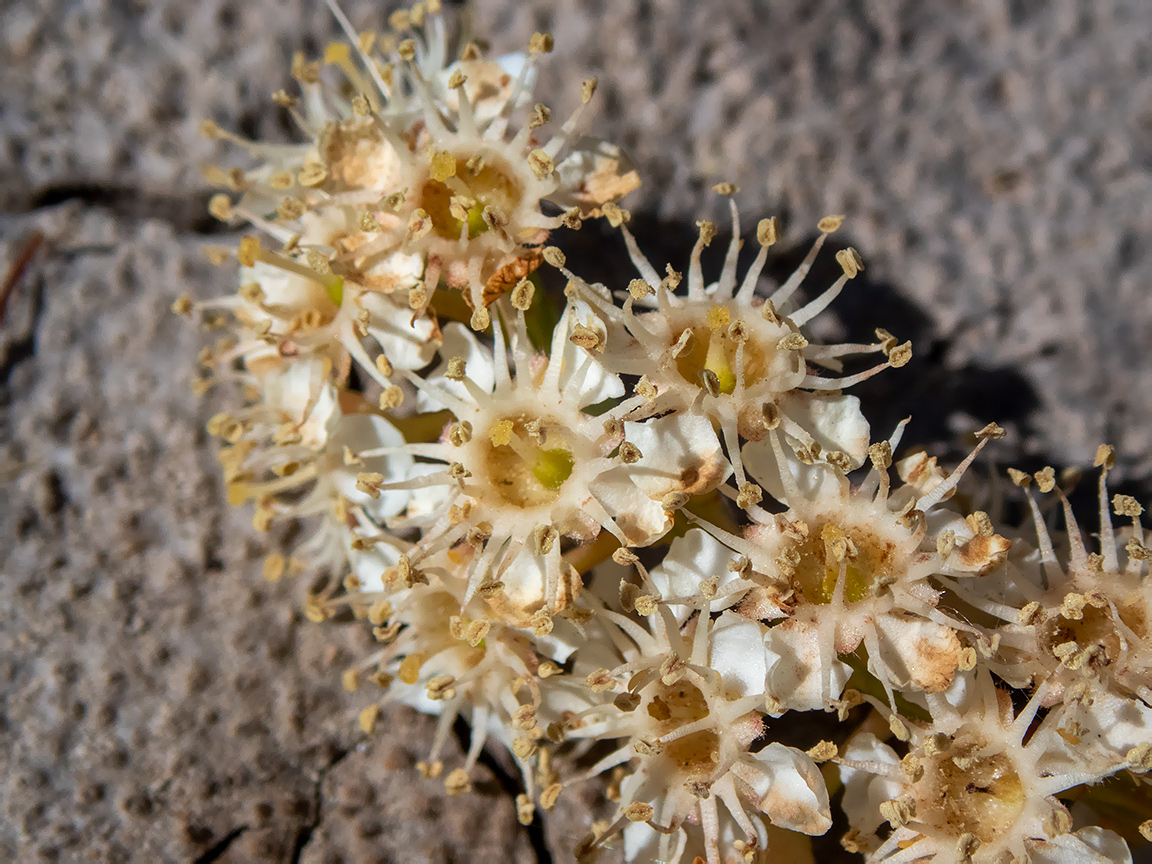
<point x="622" y="432"/>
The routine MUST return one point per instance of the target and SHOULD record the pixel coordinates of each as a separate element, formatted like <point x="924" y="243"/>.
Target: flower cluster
<point x="650" y="530"/>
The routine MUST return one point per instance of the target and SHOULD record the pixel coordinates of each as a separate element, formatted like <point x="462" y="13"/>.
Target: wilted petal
<point x="918" y="653"/>
<point x="790" y="789"/>
<point x="921" y="473"/>
<point x="594" y="173"/>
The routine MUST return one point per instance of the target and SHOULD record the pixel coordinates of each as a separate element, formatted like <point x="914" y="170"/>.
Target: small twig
<point x="20" y="263"/>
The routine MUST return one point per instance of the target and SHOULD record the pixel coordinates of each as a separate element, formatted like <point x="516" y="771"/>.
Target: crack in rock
<point x="218" y="850"/>
<point x="304" y="835"/>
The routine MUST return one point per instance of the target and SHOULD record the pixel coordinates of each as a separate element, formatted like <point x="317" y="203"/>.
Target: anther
<point x="768" y="231"/>
<point x="849" y="259"/>
<point x="829" y="224"/>
<point x="368" y="719"/>
<point x="630" y="454"/>
<point x="823" y="751"/>
<point x="522" y="295"/>
<point x="540" y="43"/>
<point x="391" y="398"/>
<point x="541" y="164"/>
<point x="749" y="495"/>
<point x="638" y="811"/>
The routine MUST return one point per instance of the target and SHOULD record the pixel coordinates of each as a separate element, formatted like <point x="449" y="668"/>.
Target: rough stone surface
<point x="159" y="697"/>
<point x="160" y="701"/>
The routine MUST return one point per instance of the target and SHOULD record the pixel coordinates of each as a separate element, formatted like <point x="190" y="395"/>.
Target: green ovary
<point x="334" y="286"/>
<point x="476" y="223"/>
<point x="552" y="468"/>
<point x="857" y="585"/>
<point x="714" y="351"/>
<point x="528" y="461"/>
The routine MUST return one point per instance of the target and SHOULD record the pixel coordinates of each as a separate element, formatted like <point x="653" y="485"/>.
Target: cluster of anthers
<point x="652" y="521"/>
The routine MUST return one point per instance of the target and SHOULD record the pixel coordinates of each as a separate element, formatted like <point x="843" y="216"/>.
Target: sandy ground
<point x="160" y="701"/>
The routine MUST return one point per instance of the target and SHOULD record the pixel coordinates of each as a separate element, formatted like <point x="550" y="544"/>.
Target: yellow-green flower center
<point x="553" y="467"/>
<point x="528" y="461"/>
<point x="458" y="186"/>
<point x="867" y="560"/>
<point x="972" y="794"/>
<point x="715" y="348"/>
<point x="334" y="286"/>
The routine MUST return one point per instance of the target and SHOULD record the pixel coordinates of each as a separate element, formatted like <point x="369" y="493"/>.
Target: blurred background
<point x="160" y="701"/>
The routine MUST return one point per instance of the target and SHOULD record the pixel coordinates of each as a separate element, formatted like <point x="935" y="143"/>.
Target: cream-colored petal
<point x="639" y="517"/>
<point x="834" y="422"/>
<point x="693" y="558"/>
<point x="790" y="789"/>
<point x="818" y="482"/>
<point x="865" y="791"/>
<point x="679" y="453"/>
<point x="361" y="432"/>
<point x="582" y="376"/>
<point x="460" y="342"/>
<point x="1092" y="845"/>
<point x="917" y="653"/>
<point x="737" y="653"/>
<point x="796" y="667"/>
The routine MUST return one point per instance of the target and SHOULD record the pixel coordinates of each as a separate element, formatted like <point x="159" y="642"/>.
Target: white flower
<point x="1085" y="626"/>
<point x="287" y="310"/>
<point x="523" y="464"/>
<point x="687" y="709"/>
<point x="740" y="360"/>
<point x="292" y="455"/>
<point x="976" y="786"/>
<point x="856" y="565"/>
<point x="467" y="197"/>
<point x="496" y="531"/>
<point x="448" y="660"/>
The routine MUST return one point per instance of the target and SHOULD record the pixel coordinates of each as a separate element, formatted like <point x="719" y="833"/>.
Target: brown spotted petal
<point x="921" y="473"/>
<point x="595" y="173"/>
<point x="790" y="790"/>
<point x="980" y="555"/>
<point x="920" y="654"/>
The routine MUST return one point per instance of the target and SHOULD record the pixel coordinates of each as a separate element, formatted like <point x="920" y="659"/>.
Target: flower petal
<point x="679" y="453"/>
<point x="790" y="789"/>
